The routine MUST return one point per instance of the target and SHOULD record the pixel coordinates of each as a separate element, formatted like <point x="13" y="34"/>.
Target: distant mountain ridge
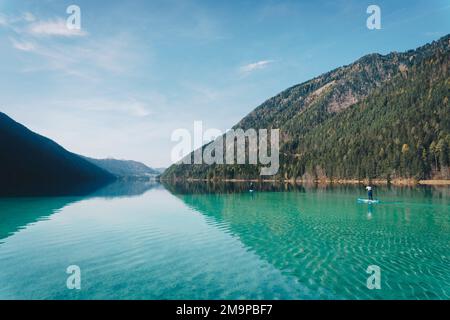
<point x="33" y="165"/>
<point x="383" y="116"/>
<point x="124" y="168"/>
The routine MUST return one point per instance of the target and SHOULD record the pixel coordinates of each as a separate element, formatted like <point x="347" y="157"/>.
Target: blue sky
<point x="138" y="70"/>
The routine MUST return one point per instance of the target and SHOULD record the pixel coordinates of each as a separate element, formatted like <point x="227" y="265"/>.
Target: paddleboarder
<point x="369" y="193"/>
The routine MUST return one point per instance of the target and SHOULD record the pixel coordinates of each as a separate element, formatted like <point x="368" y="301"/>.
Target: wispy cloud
<point x="23" y="45"/>
<point x="88" y="61"/>
<point x="28" y="23"/>
<point x="56" y="27"/>
<point x="248" y="68"/>
<point x="131" y="107"/>
<point x="86" y="58"/>
<point x="16" y="23"/>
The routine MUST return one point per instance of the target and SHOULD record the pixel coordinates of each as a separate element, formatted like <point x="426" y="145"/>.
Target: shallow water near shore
<point x="198" y="241"/>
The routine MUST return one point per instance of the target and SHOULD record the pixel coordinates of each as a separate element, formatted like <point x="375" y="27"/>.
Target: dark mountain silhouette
<point x="33" y="165"/>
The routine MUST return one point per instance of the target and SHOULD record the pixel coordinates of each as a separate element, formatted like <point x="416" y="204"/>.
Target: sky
<point x="138" y="70"/>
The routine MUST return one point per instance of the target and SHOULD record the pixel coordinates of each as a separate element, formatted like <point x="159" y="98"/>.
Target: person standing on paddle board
<point x="369" y="193"/>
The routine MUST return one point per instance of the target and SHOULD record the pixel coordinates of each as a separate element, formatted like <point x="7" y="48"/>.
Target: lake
<point x="199" y="241"/>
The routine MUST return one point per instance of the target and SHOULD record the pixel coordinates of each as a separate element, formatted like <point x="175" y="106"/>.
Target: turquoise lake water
<point x="151" y="242"/>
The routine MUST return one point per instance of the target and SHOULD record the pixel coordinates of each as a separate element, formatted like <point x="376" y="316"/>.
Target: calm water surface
<point x="146" y="242"/>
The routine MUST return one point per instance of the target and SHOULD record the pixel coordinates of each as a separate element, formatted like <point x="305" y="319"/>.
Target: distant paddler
<point x="370" y="199"/>
<point x="369" y="193"/>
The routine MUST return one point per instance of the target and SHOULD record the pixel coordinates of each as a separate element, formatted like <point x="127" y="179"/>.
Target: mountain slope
<point x="124" y="168"/>
<point x="32" y="165"/>
<point x="380" y="117"/>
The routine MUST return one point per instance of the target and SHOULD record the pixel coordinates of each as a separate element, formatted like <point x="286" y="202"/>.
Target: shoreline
<point x="394" y="182"/>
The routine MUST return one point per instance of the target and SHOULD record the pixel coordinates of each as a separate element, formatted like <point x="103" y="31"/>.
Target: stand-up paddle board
<point x="368" y="201"/>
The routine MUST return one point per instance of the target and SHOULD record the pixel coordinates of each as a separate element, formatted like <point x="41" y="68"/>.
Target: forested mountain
<point x="124" y="168"/>
<point x="381" y="117"/>
<point x="33" y="165"/>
